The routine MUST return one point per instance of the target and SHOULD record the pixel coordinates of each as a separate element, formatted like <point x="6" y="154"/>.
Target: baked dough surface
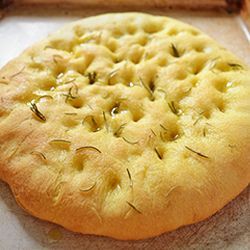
<point x="125" y="125"/>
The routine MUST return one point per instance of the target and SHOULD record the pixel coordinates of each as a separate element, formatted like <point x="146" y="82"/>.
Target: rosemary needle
<point x="69" y="95"/>
<point x="198" y="153"/>
<point x="158" y="153"/>
<point x="60" y="141"/>
<point x="163" y="127"/>
<point x="44" y="96"/>
<point x="119" y="130"/>
<point x="235" y="66"/>
<point x="173" y="107"/>
<point x="88" y="189"/>
<point x="130" y="142"/>
<point x="88" y="147"/>
<point x="19" y="72"/>
<point x="132" y="206"/>
<point x="148" y="89"/>
<point x="175" y="51"/>
<point x="92" y="77"/>
<point x="105" y="121"/>
<point x="39" y="154"/>
<point x="153" y="132"/>
<point x="37" y="113"/>
<point x="130" y="178"/>
<point x="69" y="113"/>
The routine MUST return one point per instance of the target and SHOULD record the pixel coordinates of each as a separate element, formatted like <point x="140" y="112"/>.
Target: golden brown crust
<point x="135" y="125"/>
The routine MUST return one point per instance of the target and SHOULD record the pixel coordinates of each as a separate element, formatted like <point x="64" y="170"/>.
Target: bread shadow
<point x="226" y="229"/>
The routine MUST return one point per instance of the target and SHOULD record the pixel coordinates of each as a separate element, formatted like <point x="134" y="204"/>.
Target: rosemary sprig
<point x="235" y="66"/>
<point x="130" y="142"/>
<point x="60" y="141"/>
<point x="175" y="50"/>
<point x="105" y="121"/>
<point x="18" y="73"/>
<point x="39" y="154"/>
<point x="132" y="206"/>
<point x="36" y="112"/>
<point x="68" y="113"/>
<point x="204" y="132"/>
<point x="163" y="127"/>
<point x="92" y="77"/>
<point x="130" y="178"/>
<point x="153" y="132"/>
<point x="151" y="95"/>
<point x="90" y="106"/>
<point x="69" y="95"/>
<point x="44" y="96"/>
<point x="158" y="153"/>
<point x="76" y="87"/>
<point x="173" y="108"/>
<point x="71" y="81"/>
<point x="94" y="123"/>
<point x="199" y="118"/>
<point x="119" y="130"/>
<point x="78" y="150"/>
<point x="197" y="153"/>
<point x="88" y="189"/>
<point x="92" y="120"/>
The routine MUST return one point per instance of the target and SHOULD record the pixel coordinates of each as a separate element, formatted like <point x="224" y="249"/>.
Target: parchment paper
<point x="228" y="229"/>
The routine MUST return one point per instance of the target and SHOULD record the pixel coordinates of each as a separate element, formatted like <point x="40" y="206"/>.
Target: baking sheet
<point x="228" y="229"/>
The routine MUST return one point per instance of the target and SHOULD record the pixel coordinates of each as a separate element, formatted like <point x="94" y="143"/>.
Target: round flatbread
<point x="126" y="125"/>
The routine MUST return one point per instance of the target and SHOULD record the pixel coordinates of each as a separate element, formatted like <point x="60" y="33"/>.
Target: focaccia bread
<point x="126" y="125"/>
